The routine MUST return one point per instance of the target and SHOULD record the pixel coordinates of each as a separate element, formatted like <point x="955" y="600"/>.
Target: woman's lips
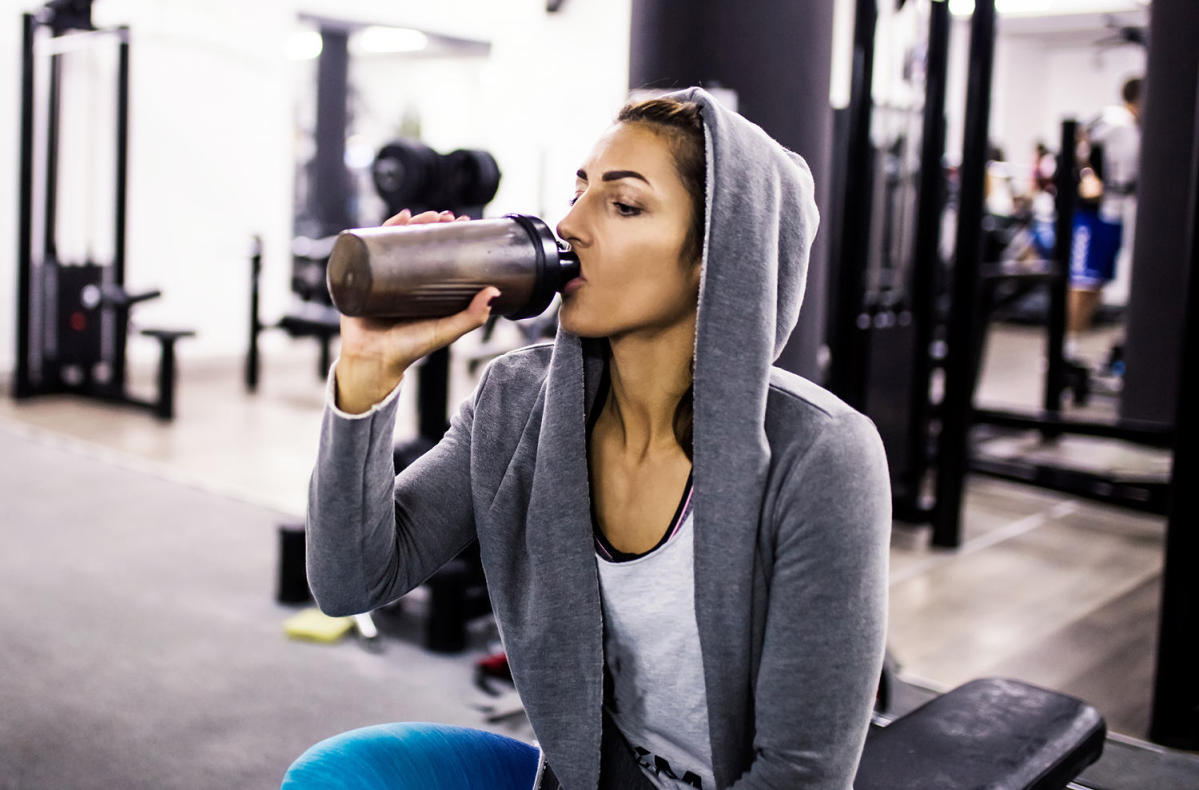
<point x="572" y="286"/>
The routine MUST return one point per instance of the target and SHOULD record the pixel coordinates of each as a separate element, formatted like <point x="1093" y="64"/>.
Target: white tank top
<point x="652" y="653"/>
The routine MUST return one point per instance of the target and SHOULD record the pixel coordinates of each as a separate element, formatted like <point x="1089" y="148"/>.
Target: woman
<point x="685" y="547"/>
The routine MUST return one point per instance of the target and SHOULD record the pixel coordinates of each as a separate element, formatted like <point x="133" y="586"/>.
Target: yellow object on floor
<point x="314" y="625"/>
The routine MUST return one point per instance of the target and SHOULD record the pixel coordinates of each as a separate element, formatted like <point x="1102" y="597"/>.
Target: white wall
<point x="212" y="145"/>
<point x="10" y="101"/>
<point x="1041" y="80"/>
<point x="1038" y="80"/>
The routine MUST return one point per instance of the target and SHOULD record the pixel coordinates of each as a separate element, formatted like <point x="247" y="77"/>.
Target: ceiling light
<point x="1048" y="7"/>
<point x="388" y="40"/>
<point x="304" y="45"/>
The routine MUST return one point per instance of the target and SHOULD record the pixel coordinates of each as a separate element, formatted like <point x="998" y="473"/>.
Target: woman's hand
<point x="376" y="352"/>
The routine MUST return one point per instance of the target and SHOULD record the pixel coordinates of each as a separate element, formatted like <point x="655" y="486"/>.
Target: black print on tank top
<point x="661" y="767"/>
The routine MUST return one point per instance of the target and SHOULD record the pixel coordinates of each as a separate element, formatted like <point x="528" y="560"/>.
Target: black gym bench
<point x="121" y="302"/>
<point x="990" y="733"/>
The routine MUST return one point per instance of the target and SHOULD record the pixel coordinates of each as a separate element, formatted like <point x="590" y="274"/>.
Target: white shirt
<point x="652" y="652"/>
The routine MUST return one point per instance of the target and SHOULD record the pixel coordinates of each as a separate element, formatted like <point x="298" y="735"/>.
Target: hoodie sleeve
<point x="373" y="536"/>
<point x="826" y="619"/>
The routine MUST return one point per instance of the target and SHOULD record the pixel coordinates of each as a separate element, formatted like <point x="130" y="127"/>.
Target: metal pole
<point x="433" y="395"/>
<point x="965" y="331"/>
<point x="255" y="324"/>
<point x="121" y="327"/>
<point x="23" y="384"/>
<point x="926" y="256"/>
<point x="773" y="57"/>
<point x="331" y="185"/>
<point x="164" y="409"/>
<point x="122" y="174"/>
<point x="1065" y="182"/>
<point x="848" y="342"/>
<point x="49" y="244"/>
<point x="1174" y="720"/>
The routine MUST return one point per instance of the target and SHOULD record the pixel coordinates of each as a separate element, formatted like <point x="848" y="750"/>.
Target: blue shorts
<point x="1093" y="249"/>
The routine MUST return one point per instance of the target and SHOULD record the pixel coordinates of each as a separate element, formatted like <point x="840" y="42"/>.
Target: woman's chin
<point x="578" y="323"/>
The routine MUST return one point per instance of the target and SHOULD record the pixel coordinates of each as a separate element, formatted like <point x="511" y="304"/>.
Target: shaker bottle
<point x="435" y="269"/>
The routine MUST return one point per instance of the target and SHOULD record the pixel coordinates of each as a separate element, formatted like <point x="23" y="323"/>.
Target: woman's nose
<point x="570" y="226"/>
<point x="565" y="228"/>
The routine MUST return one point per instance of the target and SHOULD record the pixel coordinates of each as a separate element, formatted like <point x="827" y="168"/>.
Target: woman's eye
<point x="573" y="200"/>
<point x="625" y="210"/>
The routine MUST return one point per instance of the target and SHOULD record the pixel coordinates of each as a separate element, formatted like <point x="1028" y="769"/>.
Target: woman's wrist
<point x="363" y="382"/>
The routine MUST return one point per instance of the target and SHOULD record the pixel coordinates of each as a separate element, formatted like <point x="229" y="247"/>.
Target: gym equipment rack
<point x="73" y="319"/>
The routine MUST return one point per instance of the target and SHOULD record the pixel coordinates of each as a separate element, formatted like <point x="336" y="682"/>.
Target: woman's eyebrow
<point x="614" y="175"/>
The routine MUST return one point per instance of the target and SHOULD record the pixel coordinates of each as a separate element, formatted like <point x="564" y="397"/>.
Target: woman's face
<point x="628" y="223"/>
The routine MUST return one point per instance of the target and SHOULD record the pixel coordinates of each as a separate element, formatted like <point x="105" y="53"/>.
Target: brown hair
<point x="681" y="124"/>
<point x="683" y="127"/>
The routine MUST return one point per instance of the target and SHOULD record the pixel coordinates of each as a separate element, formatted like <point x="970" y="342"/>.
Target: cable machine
<point x="72" y="315"/>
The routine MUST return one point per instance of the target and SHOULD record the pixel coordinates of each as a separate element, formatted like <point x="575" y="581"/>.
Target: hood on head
<point x="761" y="220"/>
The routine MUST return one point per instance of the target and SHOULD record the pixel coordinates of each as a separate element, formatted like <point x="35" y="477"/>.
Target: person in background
<point x="1043" y="190"/>
<point x="1103" y="225"/>
<point x="1044" y="168"/>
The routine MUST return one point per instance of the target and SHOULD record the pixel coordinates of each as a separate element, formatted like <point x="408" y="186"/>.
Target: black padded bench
<point x="122" y="302"/>
<point x="989" y="733"/>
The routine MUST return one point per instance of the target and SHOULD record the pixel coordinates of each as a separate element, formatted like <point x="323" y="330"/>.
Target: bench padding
<point x="989" y="733"/>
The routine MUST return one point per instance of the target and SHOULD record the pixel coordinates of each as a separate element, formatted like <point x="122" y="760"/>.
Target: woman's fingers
<point x="450" y="328"/>
<point x="425" y="217"/>
<point x="406" y="217"/>
<point x="399" y="219"/>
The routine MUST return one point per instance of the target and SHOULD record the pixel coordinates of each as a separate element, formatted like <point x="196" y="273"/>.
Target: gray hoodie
<point x="791" y="509"/>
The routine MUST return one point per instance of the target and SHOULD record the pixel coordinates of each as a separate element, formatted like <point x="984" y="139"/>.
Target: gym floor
<point x="1047" y="588"/>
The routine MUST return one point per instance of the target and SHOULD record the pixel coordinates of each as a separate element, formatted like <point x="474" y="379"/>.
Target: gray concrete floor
<point x="1046" y="588"/>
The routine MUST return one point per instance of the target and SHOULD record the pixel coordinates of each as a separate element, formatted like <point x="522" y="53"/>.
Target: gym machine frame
<point x="957" y="411"/>
<point x="103" y="301"/>
<point x="1176" y="687"/>
<point x="855" y="330"/>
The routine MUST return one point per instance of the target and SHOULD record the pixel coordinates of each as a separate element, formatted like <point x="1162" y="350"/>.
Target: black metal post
<point x="1065" y="182"/>
<point x="165" y="408"/>
<point x="433" y="395"/>
<point x="50" y="222"/>
<point x="23" y="383"/>
<point x="255" y="324"/>
<point x="1174" y="720"/>
<point x="326" y="358"/>
<point x="926" y="256"/>
<point x="848" y="340"/>
<point x="120" y="327"/>
<point x="964" y="329"/>
<point x="774" y="57"/>
<point x="1154" y="314"/>
<point x="122" y="174"/>
<point x="331" y="184"/>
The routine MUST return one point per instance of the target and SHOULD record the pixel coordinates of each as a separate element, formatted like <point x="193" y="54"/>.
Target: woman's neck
<point x="649" y="374"/>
